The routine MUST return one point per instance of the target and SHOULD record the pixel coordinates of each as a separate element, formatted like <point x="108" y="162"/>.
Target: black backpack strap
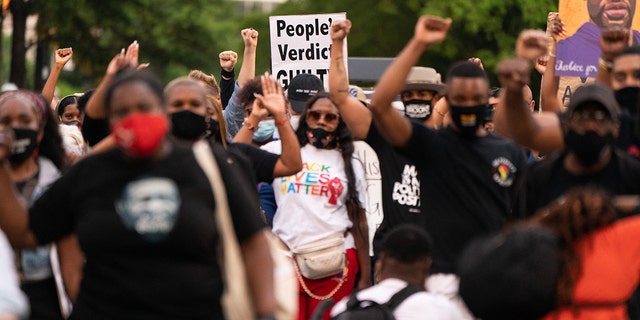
<point x="400" y="296"/>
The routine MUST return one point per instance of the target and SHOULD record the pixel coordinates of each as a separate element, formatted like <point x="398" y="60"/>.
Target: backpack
<point x="371" y="310"/>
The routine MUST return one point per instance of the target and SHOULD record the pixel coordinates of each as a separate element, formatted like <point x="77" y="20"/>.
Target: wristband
<point x="281" y="122"/>
<point x="249" y="125"/>
<point x="605" y="65"/>
<point x="227" y="74"/>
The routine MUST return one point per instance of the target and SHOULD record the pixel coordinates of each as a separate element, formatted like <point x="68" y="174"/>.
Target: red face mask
<point x="140" y="134"/>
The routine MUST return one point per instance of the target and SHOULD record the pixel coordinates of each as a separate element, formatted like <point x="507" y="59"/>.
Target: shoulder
<point x="438" y="307"/>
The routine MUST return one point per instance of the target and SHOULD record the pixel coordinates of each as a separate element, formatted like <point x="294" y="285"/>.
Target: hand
<point x="340" y="30"/>
<point x="514" y="73"/>
<point x="531" y="44"/>
<point x="125" y="59"/>
<point x="541" y="64"/>
<point x="228" y="60"/>
<point x="250" y="37"/>
<point x="431" y="29"/>
<point x="63" y="56"/>
<point x="612" y="40"/>
<point x="476" y="61"/>
<point x="6" y="143"/>
<point x="555" y="26"/>
<point x="272" y="99"/>
<point x="131" y="55"/>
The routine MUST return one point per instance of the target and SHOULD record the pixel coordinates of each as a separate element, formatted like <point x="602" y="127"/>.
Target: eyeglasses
<point x="328" y="117"/>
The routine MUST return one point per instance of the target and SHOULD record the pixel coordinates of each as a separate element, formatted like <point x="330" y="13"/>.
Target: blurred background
<point x="176" y="36"/>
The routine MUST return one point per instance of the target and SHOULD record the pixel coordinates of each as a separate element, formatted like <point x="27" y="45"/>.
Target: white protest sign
<point x="369" y="160"/>
<point x="302" y="44"/>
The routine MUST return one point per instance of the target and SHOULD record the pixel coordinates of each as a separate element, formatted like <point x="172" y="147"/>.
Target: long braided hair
<point x="346" y="147"/>
<point x="575" y="217"/>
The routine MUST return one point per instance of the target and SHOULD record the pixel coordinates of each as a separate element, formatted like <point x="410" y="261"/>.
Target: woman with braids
<point x="601" y="255"/>
<point x="322" y="201"/>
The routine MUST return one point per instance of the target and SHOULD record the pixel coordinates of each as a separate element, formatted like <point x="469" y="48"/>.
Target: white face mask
<point x="295" y="122"/>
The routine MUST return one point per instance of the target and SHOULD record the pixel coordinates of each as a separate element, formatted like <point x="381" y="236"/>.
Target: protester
<point x="512" y="274"/>
<point x="262" y="117"/>
<point x="543" y="132"/>
<point x="405" y="259"/>
<point x="34" y="162"/>
<point x="62" y="56"/>
<point x="400" y="179"/>
<point x="301" y="88"/>
<point x="216" y="129"/>
<point x="471" y="179"/>
<point x="234" y="112"/>
<point x="70" y="116"/>
<point x="590" y="157"/>
<point x="600" y="255"/>
<point x="144" y="203"/>
<point x="187" y="106"/>
<point x="228" y="60"/>
<point x="324" y="201"/>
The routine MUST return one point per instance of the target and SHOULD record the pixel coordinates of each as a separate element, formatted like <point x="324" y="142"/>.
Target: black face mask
<point x="587" y="147"/>
<point x="468" y="119"/>
<point x="629" y="99"/>
<point x="25" y="143"/>
<point x="322" y="139"/>
<point x="416" y="109"/>
<point x="188" y="125"/>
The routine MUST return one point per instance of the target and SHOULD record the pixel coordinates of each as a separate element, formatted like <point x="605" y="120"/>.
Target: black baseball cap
<point x="596" y="93"/>
<point x="301" y="88"/>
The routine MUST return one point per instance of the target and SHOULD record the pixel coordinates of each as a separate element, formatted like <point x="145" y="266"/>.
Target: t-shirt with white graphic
<point x="311" y="203"/>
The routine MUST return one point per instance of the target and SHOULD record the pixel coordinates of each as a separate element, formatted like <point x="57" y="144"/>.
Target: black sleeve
<point x="242" y="194"/>
<point x="263" y="162"/>
<point x="420" y="145"/>
<point x="94" y="130"/>
<point x="51" y="217"/>
<point x="226" y="86"/>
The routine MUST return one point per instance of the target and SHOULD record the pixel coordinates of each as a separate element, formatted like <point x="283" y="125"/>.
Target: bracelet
<point x="281" y="122"/>
<point x="249" y="125"/>
<point x="551" y="54"/>
<point x="605" y="65"/>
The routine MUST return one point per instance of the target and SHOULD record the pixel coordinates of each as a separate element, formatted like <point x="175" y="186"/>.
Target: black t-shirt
<point x="470" y="187"/>
<point x="400" y="186"/>
<point x="94" y="130"/>
<point x="148" y="233"/>
<point x="548" y="179"/>
<point x="263" y="162"/>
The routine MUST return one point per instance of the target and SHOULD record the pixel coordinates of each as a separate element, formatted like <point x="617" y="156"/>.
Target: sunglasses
<point x="315" y="116"/>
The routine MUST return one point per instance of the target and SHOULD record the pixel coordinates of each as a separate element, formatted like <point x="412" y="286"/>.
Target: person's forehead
<point x="419" y="91"/>
<point x="626" y="62"/>
<point x="464" y="85"/>
<point x="324" y="104"/>
<point x="17" y="106"/>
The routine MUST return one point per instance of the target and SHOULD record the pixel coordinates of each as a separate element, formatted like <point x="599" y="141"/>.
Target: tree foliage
<point x="178" y="35"/>
<point x="174" y="35"/>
